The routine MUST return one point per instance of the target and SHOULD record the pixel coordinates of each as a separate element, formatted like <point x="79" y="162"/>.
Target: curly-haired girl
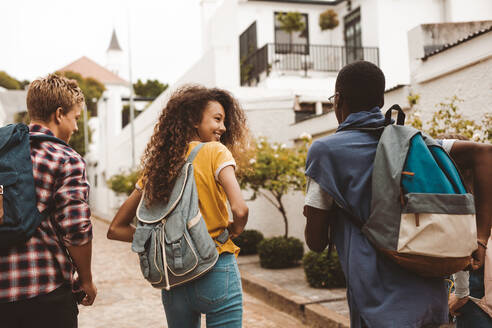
<point x="196" y="114"/>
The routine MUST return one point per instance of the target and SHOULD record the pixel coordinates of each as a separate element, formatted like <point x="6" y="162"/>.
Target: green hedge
<point x="248" y="241"/>
<point x="322" y="271"/>
<point x="280" y="252"/>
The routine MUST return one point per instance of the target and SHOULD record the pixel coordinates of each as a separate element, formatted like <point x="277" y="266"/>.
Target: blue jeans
<point x="218" y="294"/>
<point x="472" y="316"/>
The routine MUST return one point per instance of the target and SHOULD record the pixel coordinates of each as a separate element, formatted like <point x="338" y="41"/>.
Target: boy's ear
<point x="58" y="115"/>
<point x="339" y="101"/>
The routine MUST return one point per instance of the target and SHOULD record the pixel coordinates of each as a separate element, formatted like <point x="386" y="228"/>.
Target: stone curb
<point x="313" y="315"/>
<point x="318" y="316"/>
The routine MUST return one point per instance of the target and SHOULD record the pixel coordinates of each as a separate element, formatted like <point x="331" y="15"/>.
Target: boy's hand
<point x="456" y="303"/>
<point x="90" y="291"/>
<point x="478" y="258"/>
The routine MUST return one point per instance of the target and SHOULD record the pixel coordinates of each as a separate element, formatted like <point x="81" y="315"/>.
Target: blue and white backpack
<point x="421" y="215"/>
<point x="171" y="239"/>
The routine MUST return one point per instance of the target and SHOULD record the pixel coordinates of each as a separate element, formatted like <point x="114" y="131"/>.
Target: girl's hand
<point x="121" y="228"/>
<point x="233" y="232"/>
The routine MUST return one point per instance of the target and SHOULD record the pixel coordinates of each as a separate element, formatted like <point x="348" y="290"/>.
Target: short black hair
<point x="361" y="85"/>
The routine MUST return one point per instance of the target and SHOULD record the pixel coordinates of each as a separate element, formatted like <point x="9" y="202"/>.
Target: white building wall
<point x="3" y="116"/>
<point x="395" y="19"/>
<point x="115" y="62"/>
<point x="466" y="10"/>
<point x="464" y="71"/>
<point x="397" y="96"/>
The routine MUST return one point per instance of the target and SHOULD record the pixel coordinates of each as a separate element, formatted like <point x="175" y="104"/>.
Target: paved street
<point x="126" y="300"/>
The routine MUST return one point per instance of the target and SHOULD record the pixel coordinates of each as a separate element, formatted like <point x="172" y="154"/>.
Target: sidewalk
<point x="126" y="300"/>
<point x="288" y="291"/>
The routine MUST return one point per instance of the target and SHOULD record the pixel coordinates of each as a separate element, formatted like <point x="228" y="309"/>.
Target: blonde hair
<point x="46" y="94"/>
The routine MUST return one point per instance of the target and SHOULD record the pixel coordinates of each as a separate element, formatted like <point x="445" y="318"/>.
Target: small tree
<point x="328" y="20"/>
<point x="291" y="22"/>
<point x="91" y="88"/>
<point x="22" y="117"/>
<point x="273" y="170"/>
<point x="8" y="82"/>
<point x="413" y="118"/>
<point x="447" y="119"/>
<point x="149" y="89"/>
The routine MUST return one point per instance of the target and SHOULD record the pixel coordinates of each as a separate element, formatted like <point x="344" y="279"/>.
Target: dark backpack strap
<point x="400" y="120"/>
<point x="45" y="137"/>
<point x="194" y="152"/>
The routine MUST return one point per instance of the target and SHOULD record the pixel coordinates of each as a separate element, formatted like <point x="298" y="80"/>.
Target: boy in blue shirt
<point x="380" y="293"/>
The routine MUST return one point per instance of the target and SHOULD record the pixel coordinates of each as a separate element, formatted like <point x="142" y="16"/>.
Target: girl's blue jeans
<point x="218" y="294"/>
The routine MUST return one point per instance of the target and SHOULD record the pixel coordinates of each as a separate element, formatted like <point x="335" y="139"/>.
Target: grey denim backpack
<point x="171" y="239"/>
<point x="422" y="217"/>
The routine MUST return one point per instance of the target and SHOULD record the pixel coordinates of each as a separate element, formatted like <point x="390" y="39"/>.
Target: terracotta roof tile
<point x="89" y="68"/>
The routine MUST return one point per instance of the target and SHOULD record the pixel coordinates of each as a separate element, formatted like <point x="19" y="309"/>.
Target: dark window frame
<point x="248" y="38"/>
<point x="292" y="47"/>
<point x="353" y="44"/>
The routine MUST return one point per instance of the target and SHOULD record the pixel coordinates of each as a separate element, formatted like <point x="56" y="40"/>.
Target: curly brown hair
<point x="166" y="151"/>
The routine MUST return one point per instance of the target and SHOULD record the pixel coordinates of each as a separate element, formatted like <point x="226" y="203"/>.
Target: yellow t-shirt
<point x="208" y="163"/>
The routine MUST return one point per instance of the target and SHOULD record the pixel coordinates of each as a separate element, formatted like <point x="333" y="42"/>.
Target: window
<point x="353" y="37"/>
<point x="306" y="110"/>
<point x="125" y="115"/>
<point x="247" y="42"/>
<point x="327" y="107"/>
<point x="296" y="42"/>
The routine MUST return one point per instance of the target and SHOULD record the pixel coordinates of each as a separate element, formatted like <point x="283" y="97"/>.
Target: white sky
<point x="38" y="37"/>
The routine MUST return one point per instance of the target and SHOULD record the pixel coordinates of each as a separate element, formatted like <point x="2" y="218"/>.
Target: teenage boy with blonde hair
<point x="37" y="277"/>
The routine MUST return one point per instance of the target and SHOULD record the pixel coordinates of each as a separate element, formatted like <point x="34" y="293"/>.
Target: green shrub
<point x="123" y="183"/>
<point x="323" y="271"/>
<point x="248" y="241"/>
<point x="280" y="252"/>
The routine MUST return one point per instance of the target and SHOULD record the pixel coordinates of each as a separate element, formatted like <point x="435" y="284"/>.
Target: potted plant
<point x="328" y="20"/>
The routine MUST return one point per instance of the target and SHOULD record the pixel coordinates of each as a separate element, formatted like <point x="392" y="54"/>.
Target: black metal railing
<point x="301" y="57"/>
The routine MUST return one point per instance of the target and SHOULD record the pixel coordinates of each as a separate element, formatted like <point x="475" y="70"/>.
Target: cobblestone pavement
<point x="126" y="300"/>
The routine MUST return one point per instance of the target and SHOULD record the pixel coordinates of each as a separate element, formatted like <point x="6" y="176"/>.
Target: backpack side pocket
<point x="201" y="238"/>
<point x="141" y="246"/>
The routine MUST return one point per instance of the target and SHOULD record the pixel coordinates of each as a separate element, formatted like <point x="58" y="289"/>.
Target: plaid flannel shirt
<point x="41" y="264"/>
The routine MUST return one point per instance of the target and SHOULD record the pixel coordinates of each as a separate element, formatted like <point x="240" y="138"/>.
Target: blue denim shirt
<point x="378" y="290"/>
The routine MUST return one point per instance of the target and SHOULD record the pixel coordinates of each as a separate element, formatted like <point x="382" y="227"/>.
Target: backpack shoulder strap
<point x="194" y="152"/>
<point x="45" y="137"/>
<point x="400" y="120"/>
